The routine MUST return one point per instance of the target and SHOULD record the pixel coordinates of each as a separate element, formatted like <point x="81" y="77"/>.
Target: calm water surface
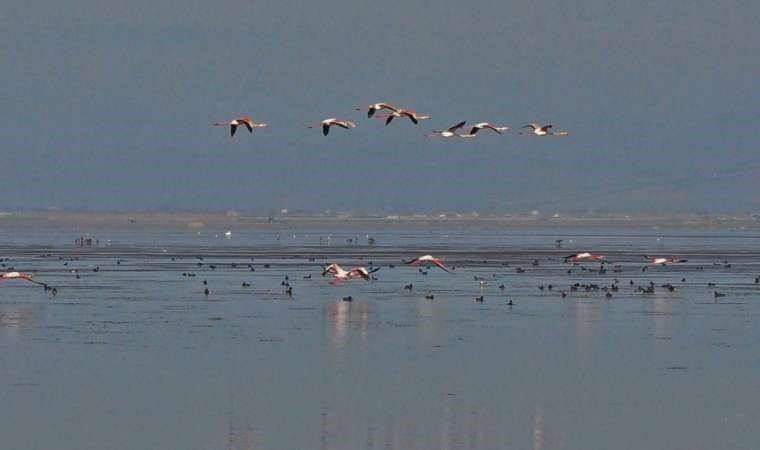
<point x="135" y="356"/>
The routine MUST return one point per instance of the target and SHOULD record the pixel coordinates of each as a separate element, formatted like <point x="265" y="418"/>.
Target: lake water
<point x="136" y="356"/>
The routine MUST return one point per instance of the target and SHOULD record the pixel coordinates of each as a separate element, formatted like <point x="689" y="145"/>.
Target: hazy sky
<point x="108" y="105"/>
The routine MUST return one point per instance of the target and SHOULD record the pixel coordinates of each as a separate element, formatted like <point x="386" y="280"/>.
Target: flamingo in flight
<point x="450" y="132"/>
<point x="343" y="275"/>
<point x="19" y="276"/>
<point x="664" y="261"/>
<point x="411" y="114"/>
<point x="584" y="256"/>
<point x="373" y="108"/>
<point x="327" y="123"/>
<point x="235" y="123"/>
<point x="488" y="126"/>
<point x="426" y="260"/>
<point x="543" y="130"/>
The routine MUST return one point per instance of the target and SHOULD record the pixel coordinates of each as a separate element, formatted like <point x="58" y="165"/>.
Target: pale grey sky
<point x="107" y="105"/>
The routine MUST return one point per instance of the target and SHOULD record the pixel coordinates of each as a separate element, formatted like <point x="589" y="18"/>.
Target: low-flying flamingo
<point x="19" y="276"/>
<point x="327" y="123"/>
<point x="343" y="275"/>
<point x="426" y="260"/>
<point x="664" y="261"/>
<point x="373" y="108"/>
<point x="235" y="123"/>
<point x="584" y="256"/>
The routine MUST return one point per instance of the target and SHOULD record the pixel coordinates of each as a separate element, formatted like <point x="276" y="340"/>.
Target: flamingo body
<point x="245" y="121"/>
<point x="327" y="123"/>
<point x="584" y="256"/>
<point x="428" y="260"/>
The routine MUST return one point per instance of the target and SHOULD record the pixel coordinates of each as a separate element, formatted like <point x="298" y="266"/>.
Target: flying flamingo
<point x="664" y="261"/>
<point x="584" y="256"/>
<point x="487" y="125"/>
<point x="327" y="123"/>
<point x="371" y="109"/>
<point x="543" y="130"/>
<point x="450" y="132"/>
<point x="426" y="260"/>
<point x="343" y="275"/>
<point x="411" y="114"/>
<point x="18" y="276"/>
<point x="234" y="123"/>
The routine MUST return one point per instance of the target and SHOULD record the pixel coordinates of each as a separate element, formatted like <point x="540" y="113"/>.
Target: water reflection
<point x="340" y="315"/>
<point x="13" y="321"/>
<point x="587" y="314"/>
<point x="239" y="435"/>
<point x="539" y="431"/>
<point x="662" y="317"/>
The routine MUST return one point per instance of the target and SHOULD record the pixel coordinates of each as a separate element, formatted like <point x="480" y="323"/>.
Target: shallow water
<point x="136" y="356"/>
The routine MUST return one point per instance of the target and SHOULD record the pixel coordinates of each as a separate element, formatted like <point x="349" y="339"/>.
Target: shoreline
<point x="193" y="220"/>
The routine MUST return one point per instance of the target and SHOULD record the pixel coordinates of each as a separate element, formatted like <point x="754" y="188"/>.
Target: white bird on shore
<point x="371" y="109"/>
<point x="327" y="123"/>
<point x="427" y="260"/>
<point x="246" y="121"/>
<point x="450" y="132"/>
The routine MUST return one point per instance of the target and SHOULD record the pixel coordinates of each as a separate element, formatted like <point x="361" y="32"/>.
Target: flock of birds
<point x="425" y="262"/>
<point x="390" y="113"/>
